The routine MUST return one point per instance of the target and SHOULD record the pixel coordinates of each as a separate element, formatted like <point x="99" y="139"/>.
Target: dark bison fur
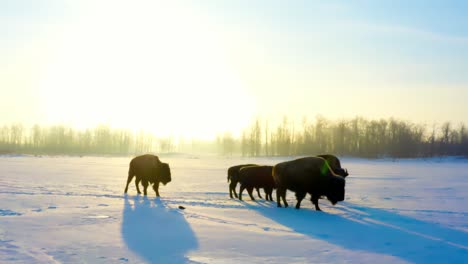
<point x="233" y="177"/>
<point x="251" y="177"/>
<point x="148" y="169"/>
<point x="335" y="164"/>
<point x="310" y="175"/>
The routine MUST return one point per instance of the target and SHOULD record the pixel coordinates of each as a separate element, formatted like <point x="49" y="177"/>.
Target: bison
<point x="233" y="178"/>
<point x="148" y="169"/>
<point x="256" y="177"/>
<point x="335" y="164"/>
<point x="310" y="175"/>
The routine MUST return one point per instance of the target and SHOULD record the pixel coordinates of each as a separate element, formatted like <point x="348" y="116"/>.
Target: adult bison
<point x="148" y="169"/>
<point x="335" y="164"/>
<point x="251" y="177"/>
<point x="308" y="175"/>
<point x="233" y="178"/>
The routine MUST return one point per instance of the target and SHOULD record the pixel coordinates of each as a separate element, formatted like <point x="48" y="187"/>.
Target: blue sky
<point x="339" y="59"/>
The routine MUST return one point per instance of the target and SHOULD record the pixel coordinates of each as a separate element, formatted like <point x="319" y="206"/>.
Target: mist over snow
<point x="73" y="210"/>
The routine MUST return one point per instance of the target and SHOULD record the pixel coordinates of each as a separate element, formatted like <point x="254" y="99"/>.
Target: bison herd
<point x="320" y="176"/>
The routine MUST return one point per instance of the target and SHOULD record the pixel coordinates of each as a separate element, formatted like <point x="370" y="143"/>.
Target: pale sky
<point x="197" y="68"/>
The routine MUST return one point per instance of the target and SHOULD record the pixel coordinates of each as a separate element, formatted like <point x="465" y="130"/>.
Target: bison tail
<point x="131" y="171"/>
<point x="276" y="173"/>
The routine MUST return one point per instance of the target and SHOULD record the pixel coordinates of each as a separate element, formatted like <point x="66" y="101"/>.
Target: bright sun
<point x="151" y="67"/>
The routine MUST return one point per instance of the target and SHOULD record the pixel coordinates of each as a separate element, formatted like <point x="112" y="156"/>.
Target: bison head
<point x="336" y="191"/>
<point x="164" y="173"/>
<point x="341" y="172"/>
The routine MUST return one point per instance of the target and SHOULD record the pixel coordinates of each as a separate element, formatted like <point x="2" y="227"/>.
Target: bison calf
<point x="256" y="177"/>
<point x="233" y="177"/>
<point x="148" y="169"/>
<point x="308" y="175"/>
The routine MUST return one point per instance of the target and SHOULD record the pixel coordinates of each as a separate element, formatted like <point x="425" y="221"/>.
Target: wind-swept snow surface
<point x="72" y="210"/>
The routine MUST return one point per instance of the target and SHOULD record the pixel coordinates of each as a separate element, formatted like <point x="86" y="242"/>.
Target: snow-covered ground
<point x="72" y="210"/>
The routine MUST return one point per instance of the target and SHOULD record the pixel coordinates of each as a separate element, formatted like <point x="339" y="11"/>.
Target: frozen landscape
<point x="73" y="210"/>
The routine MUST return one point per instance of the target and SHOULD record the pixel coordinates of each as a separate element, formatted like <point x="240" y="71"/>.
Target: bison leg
<point x="314" y="200"/>
<point x="156" y="188"/>
<point x="137" y="182"/>
<point x="232" y="188"/>
<point x="268" y="192"/>
<point x="281" y="194"/>
<point x="250" y="190"/>
<point x="299" y="196"/>
<point x="129" y="179"/>
<point x="258" y="192"/>
<point x="145" y="186"/>
<point x="278" y="197"/>
<point x="242" y="187"/>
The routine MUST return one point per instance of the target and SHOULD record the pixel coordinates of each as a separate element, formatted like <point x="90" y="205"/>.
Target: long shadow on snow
<point x="155" y="232"/>
<point x="375" y="230"/>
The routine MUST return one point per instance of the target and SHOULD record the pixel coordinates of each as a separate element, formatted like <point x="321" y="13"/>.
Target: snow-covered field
<point x="72" y="210"/>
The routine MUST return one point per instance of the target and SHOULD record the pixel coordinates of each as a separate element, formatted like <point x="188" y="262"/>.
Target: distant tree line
<point x="358" y="137"/>
<point x="66" y="140"/>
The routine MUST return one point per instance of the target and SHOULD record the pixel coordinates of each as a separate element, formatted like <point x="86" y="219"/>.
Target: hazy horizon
<point x="199" y="68"/>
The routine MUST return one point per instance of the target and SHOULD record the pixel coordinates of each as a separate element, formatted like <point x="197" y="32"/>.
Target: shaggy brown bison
<point x="308" y="175"/>
<point x="148" y="169"/>
<point x="233" y="177"/>
<point x="256" y="177"/>
<point x="335" y="164"/>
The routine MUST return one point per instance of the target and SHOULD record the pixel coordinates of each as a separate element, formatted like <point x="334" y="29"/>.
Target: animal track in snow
<point x="6" y="212"/>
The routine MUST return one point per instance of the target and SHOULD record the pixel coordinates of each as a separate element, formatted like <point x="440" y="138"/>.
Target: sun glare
<point x="164" y="72"/>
